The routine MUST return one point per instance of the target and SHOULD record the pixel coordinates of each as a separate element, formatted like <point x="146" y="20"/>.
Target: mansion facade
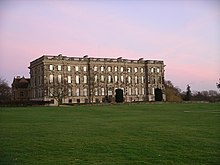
<point x="95" y="80"/>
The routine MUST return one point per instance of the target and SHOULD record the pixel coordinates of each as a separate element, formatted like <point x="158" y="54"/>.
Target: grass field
<point x="112" y="134"/>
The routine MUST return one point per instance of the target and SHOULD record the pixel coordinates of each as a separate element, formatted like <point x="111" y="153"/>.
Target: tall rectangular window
<point x="69" y="92"/>
<point x="51" y="78"/>
<point x="68" y="68"/>
<point x="103" y="91"/>
<point x="142" y="79"/>
<point x="59" y="67"/>
<point x="129" y="91"/>
<point x="129" y="79"/>
<point x="84" y="68"/>
<point x="95" y="68"/>
<point x="95" y="78"/>
<point x="142" y="70"/>
<point x="69" y="79"/>
<point x="109" y="68"/>
<point x="116" y="68"/>
<point x="77" y="79"/>
<point x="136" y="79"/>
<point x="102" y="78"/>
<point x="76" y="68"/>
<point x="122" y="69"/>
<point x="85" y="79"/>
<point x="85" y="91"/>
<point x="116" y="78"/>
<point x="122" y="79"/>
<point x="96" y="91"/>
<point x="142" y="91"/>
<point x="102" y="68"/>
<point x="77" y="92"/>
<point x="59" y="78"/>
<point x="129" y="69"/>
<point x="51" y="67"/>
<point x="109" y="78"/>
<point x="135" y="69"/>
<point x="136" y="91"/>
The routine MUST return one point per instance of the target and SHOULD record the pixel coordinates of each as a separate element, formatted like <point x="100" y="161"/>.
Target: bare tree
<point x="5" y="90"/>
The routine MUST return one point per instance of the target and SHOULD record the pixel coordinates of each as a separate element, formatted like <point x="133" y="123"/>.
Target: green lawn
<point x="111" y="134"/>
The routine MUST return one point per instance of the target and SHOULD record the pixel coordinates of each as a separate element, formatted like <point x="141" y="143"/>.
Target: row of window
<point x="99" y="92"/>
<point x="110" y="79"/>
<point x="95" y="68"/>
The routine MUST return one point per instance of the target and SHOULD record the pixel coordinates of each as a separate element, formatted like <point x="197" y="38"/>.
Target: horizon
<point x="183" y="34"/>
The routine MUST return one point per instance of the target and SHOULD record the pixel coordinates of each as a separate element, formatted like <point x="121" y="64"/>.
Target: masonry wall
<point x="85" y="80"/>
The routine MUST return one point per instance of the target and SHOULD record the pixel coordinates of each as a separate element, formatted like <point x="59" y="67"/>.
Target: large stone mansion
<point x="95" y="80"/>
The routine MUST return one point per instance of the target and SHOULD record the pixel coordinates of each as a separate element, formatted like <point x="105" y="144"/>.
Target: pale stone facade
<point x="96" y="79"/>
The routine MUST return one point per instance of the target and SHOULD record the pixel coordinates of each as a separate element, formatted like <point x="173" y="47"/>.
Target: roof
<point x="21" y="82"/>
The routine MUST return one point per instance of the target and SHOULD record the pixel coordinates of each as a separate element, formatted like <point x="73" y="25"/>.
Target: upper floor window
<point x="122" y="69"/>
<point x="69" y="79"/>
<point x="129" y="69"/>
<point x="102" y="78"/>
<point x="69" y="92"/>
<point x="77" y="68"/>
<point x="158" y="70"/>
<point x="122" y="78"/>
<point x="59" y="67"/>
<point x="109" y="68"/>
<point x="51" y="67"/>
<point x="77" y="79"/>
<point x="68" y="68"/>
<point x="102" y="68"/>
<point x="85" y="92"/>
<point x="136" y="79"/>
<point x="116" y="78"/>
<point x="85" y="79"/>
<point x="51" y="78"/>
<point x="103" y="91"/>
<point x="135" y="69"/>
<point x="142" y="70"/>
<point x="84" y="68"/>
<point x="59" y="78"/>
<point x="95" y="68"/>
<point x="116" y="68"/>
<point x="96" y="78"/>
<point x="129" y="79"/>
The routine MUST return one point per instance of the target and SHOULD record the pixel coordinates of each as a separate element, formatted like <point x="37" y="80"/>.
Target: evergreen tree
<point x="188" y="93"/>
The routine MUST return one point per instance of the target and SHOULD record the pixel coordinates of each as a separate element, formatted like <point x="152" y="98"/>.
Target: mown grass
<point x="112" y="134"/>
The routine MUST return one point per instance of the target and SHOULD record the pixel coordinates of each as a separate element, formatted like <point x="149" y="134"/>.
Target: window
<point x="51" y="92"/>
<point x="85" y="91"/>
<point x="129" y="79"/>
<point x="109" y="78"/>
<point x="142" y="91"/>
<point x="102" y="68"/>
<point x="152" y="91"/>
<point x="77" y="79"/>
<point x="68" y="68"/>
<point x="59" y="78"/>
<point x="77" y="92"/>
<point x="51" y="78"/>
<point x="109" y="68"/>
<point x="129" y="69"/>
<point x="84" y="68"/>
<point x="102" y="78"/>
<point x="142" y="70"/>
<point x="136" y="79"/>
<point x="158" y="70"/>
<point x="77" y="68"/>
<point x="116" y="68"/>
<point x="136" y="91"/>
<point x="59" y="67"/>
<point x="116" y="78"/>
<point x="122" y="69"/>
<point x="142" y="79"/>
<point x="95" y="78"/>
<point x="95" y="68"/>
<point x="103" y="91"/>
<point x="51" y="67"/>
<point x="129" y="91"/>
<point x="135" y="69"/>
<point x="122" y="79"/>
<point x="69" y="92"/>
<point x="96" y="91"/>
<point x="85" y="79"/>
<point x="69" y="79"/>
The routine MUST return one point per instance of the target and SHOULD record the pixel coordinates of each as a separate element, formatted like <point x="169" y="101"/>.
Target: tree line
<point x="173" y="93"/>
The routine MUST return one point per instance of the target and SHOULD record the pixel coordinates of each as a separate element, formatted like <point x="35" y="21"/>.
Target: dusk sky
<point x="185" y="34"/>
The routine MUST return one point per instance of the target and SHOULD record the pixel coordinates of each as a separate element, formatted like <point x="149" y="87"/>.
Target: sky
<point x="185" y="34"/>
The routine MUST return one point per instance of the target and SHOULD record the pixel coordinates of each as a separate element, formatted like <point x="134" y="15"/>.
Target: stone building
<point x="94" y="80"/>
<point x="21" y="89"/>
